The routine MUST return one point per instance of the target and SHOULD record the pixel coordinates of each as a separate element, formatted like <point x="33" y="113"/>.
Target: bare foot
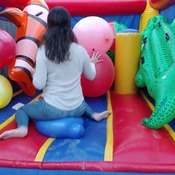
<point x="101" y="116"/>
<point x="18" y="132"/>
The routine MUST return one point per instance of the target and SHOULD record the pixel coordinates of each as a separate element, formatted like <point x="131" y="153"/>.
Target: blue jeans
<point x="40" y="110"/>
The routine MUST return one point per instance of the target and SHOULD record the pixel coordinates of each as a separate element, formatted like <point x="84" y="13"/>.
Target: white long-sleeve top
<point x="61" y="83"/>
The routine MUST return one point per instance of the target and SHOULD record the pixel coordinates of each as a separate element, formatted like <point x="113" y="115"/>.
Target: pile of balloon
<point x="7" y="55"/>
<point x="96" y="39"/>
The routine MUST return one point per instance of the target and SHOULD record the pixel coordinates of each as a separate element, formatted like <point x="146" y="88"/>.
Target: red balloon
<point x="103" y="81"/>
<point x="7" y="48"/>
<point x="14" y="3"/>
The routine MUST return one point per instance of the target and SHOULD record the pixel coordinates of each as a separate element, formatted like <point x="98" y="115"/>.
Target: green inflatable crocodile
<point x="157" y="70"/>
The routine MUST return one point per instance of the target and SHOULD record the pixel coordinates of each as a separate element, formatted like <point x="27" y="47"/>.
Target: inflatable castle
<point x="135" y="82"/>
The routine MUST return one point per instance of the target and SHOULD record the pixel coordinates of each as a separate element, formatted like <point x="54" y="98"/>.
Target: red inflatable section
<point x="90" y="7"/>
<point x="161" y="4"/>
<point x="100" y="7"/>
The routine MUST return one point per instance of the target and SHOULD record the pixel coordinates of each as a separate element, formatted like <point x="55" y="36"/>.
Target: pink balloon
<point x="103" y="81"/>
<point x="7" y="48"/>
<point x="94" y="33"/>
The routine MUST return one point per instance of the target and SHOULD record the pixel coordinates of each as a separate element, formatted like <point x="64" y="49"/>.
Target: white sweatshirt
<point x="61" y="82"/>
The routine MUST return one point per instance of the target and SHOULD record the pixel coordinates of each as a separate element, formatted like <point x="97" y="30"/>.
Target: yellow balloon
<point x="6" y="91"/>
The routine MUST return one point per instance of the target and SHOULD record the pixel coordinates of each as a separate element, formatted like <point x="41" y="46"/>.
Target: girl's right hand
<point x="95" y="58"/>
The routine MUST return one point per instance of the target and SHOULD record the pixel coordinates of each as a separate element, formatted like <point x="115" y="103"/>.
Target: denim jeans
<point x="40" y="110"/>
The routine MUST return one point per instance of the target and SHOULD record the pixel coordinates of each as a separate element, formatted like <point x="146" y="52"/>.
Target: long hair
<point x="58" y="35"/>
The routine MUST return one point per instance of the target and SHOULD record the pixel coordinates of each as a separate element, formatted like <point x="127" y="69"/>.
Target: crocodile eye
<point x="167" y="37"/>
<point x="142" y="60"/>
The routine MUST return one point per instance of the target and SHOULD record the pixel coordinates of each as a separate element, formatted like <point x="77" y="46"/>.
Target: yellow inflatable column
<point x="127" y="56"/>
